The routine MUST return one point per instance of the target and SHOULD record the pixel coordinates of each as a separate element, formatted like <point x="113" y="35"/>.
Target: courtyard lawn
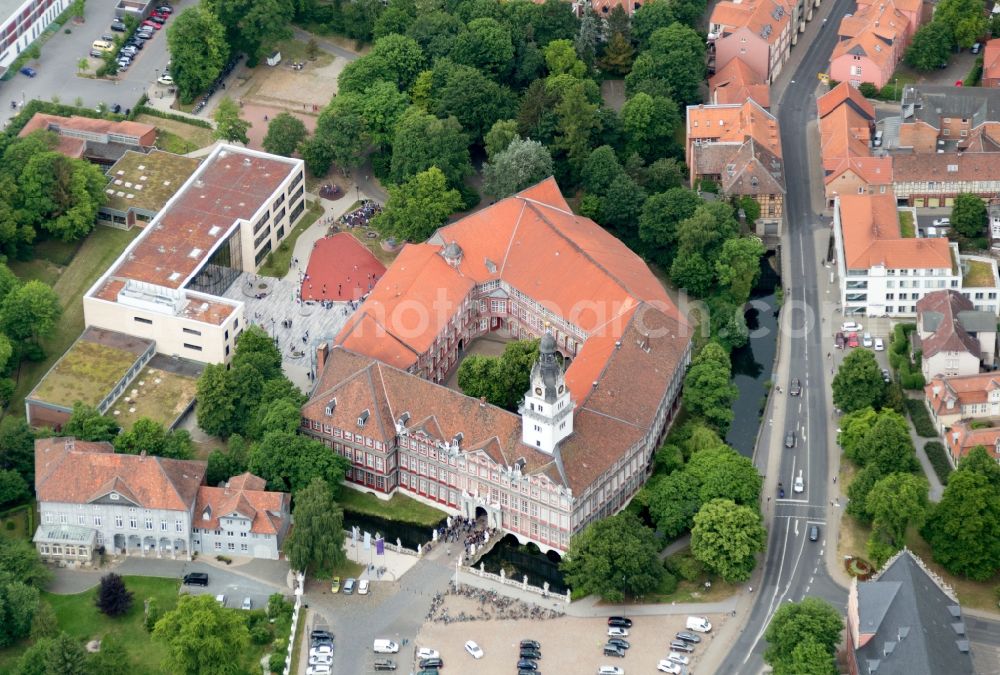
<point x="906" y="228"/>
<point x="278" y="261"/>
<point x="79" y="617"/>
<point x="178" y="135"/>
<point x="399" y="508"/>
<point x="89" y="262"/>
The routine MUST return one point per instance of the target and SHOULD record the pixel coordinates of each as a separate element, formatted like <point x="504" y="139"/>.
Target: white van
<point x="698" y="623"/>
<point x="385" y="647"/>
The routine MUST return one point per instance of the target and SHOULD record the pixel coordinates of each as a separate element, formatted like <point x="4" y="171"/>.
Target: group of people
<point x="361" y="216"/>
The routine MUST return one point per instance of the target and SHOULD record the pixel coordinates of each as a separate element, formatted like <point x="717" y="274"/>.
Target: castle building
<point x="612" y="357"/>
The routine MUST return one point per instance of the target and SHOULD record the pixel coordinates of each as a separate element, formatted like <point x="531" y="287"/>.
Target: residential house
<point x="931" y="179"/>
<point x="97" y="140"/>
<point x="991" y="63"/>
<point x="882" y="273"/>
<point x="872" y="42"/>
<point x="582" y="440"/>
<point x="757" y="31"/>
<point x="963" y="437"/>
<point x="906" y="621"/>
<point x="738" y="146"/>
<point x="142" y="505"/>
<point x="953" y="337"/>
<point x="735" y="82"/>
<point x="951" y="399"/>
<point x="846" y="120"/>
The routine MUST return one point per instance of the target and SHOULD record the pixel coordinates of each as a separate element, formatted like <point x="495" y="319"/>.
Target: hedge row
<point x="938" y="457"/>
<point x="910" y="376"/>
<point x="156" y="112"/>
<point x="921" y="418"/>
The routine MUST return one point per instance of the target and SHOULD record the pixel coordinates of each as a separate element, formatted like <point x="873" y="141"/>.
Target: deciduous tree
<point x="968" y="216"/>
<point x="316" y="543"/>
<point x="523" y="163"/>
<point x="198" y="51"/>
<point x="895" y="502"/>
<point x="613" y="556"/>
<point x="738" y="266"/>
<point x="499" y="137"/>
<point x="649" y="124"/>
<point x="858" y="383"/>
<point x="418" y="207"/>
<point x="476" y="101"/>
<point x="289" y="462"/>
<point x="203" y="638"/>
<point x="284" y="134"/>
<point x="229" y="126"/>
<point x="485" y="44"/>
<point x="930" y="47"/>
<point x="578" y="123"/>
<point x="726" y="538"/>
<point x="723" y="473"/>
<point x="812" y="622"/>
<point x="676" y="57"/>
<point x="673" y="501"/>
<point x="253" y="26"/>
<point x="215" y="401"/>
<point x="340" y="137"/>
<point x="423" y="141"/>
<point x="86" y="424"/>
<point x="708" y="392"/>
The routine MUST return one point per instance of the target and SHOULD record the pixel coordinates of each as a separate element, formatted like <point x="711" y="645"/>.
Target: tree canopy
<point x="203" y="637"/>
<point x="803" y="637"/>
<point x="417" y="207"/>
<point x="502" y="380"/>
<point x="708" y="392"/>
<point x="285" y="133"/>
<point x="521" y="164"/>
<point x="229" y="126"/>
<point x="317" y="540"/>
<point x="858" y="383"/>
<point x="726" y="538"/>
<point x="198" y="51"/>
<point x="968" y="216"/>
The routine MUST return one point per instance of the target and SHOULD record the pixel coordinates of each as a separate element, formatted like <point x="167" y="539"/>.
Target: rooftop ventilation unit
<point x="195" y="253"/>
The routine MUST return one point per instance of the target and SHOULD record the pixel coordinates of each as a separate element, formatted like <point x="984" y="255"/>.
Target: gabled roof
<point x="962" y="438"/>
<point x="946" y="166"/>
<point x="76" y="472"/>
<point x="960" y="390"/>
<point x="735" y="82"/>
<point x="932" y="102"/>
<point x="939" y="313"/>
<point x="244" y="496"/>
<point x="734" y="123"/>
<point x="915" y="623"/>
<point x="844" y="93"/>
<point x="745" y="169"/>
<point x="42" y="120"/>
<point x="767" y="19"/>
<point x="872" y="237"/>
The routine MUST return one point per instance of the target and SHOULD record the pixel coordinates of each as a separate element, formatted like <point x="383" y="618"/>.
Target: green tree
<point x="930" y="47"/>
<point x="253" y="27"/>
<point x="723" y="473"/>
<point x="86" y="424"/>
<point x="203" y="638"/>
<point x="887" y="444"/>
<point x="600" y="170"/>
<point x="19" y="561"/>
<point x="499" y="137"/>
<point x="502" y="380"/>
<point x="112" y="659"/>
<point x="561" y="58"/>
<point x="612" y="557"/>
<point x="284" y="134"/>
<point x="20" y="602"/>
<point x="289" y="462"/>
<point x="895" y="503"/>
<point x="399" y="58"/>
<point x="13" y="488"/>
<point x="738" y="266"/>
<point x="673" y="502"/>
<point x="649" y="124"/>
<point x="32" y="661"/>
<point x="66" y="655"/>
<point x="726" y="538"/>
<point x="316" y="544"/>
<point x="476" y="101"/>
<point x="708" y="392"/>
<point x="381" y="107"/>
<point x="44" y="623"/>
<point x="621" y="206"/>
<point x="224" y="464"/>
<point x="963" y="529"/>
<point x="30" y="312"/>
<point x="340" y="137"/>
<point x="418" y="207"/>
<point x="113" y="597"/>
<point x="423" y="141"/>
<point x="229" y="126"/>
<point x="588" y="37"/>
<point x="796" y="634"/>
<point x="198" y="51"/>
<point x="664" y="174"/>
<point x="59" y="194"/>
<point x="659" y="218"/>
<point x="676" y="58"/>
<point x="858" y="491"/>
<point x="435" y="32"/>
<point x="151" y="437"/>
<point x="215" y="404"/>
<point x="968" y="216"/>
<point x="486" y="45"/>
<point x="522" y="164"/>
<point x="578" y="123"/>
<point x="618" y="55"/>
<point x="858" y="383"/>
<point x="651" y="17"/>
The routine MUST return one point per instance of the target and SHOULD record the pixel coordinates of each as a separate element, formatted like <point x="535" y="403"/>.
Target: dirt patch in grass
<point x="299" y="90"/>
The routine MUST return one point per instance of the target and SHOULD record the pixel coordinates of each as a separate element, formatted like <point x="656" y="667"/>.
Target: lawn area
<point x="295" y="50"/>
<point x="375" y="246"/>
<point x="906" y="227"/>
<point x="399" y="508"/>
<point x="94" y="256"/>
<point x="171" y="142"/>
<point x="18" y="523"/>
<point x="79" y="617"/>
<point x="280" y="260"/>
<point x="162" y="397"/>
<point x="197" y="137"/>
<point x="978" y="274"/>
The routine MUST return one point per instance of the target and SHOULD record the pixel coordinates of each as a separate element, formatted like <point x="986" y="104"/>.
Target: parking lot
<point x="57" y="68"/>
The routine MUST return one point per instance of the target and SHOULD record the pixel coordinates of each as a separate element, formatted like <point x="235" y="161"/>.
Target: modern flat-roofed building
<point x="236" y="208"/>
<point x="140" y="184"/>
<point x="23" y="21"/>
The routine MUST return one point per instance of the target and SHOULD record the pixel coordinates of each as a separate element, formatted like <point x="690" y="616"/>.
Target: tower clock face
<point x="538" y="391"/>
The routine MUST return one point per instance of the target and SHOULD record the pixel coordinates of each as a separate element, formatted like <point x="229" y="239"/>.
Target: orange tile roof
<point x="962" y="439"/>
<point x="243" y="496"/>
<point x="991" y="60"/>
<point x="845" y="136"/>
<point x="736" y="82"/>
<point x="77" y="472"/>
<point x="947" y="166"/>
<point x="842" y="93"/>
<point x="867" y="43"/>
<point x="871" y="235"/>
<point x="733" y="124"/>
<point x="144" y="132"/>
<point x="960" y="390"/>
<point x="767" y="19"/>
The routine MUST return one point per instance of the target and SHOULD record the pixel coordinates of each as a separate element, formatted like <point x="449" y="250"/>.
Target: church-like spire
<point x="547" y="411"/>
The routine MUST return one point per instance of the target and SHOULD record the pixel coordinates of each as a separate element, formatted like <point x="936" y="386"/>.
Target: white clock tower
<point x="547" y="410"/>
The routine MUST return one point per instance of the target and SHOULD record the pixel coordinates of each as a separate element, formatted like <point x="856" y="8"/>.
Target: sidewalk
<point x="396" y="564"/>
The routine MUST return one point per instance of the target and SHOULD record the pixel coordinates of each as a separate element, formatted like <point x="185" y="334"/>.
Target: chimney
<point x="322" y="352"/>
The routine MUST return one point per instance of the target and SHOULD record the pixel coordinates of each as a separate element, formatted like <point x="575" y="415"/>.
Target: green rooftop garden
<point x="977" y="274"/>
<point x="87" y="372"/>
<point x="162" y="397"/>
<point x="906" y="228"/>
<point x="152" y="179"/>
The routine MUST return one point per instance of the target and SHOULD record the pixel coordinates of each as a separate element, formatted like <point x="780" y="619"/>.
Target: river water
<point x="753" y="363"/>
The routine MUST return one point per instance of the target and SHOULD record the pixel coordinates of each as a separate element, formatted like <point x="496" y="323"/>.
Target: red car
<point x="852" y="340"/>
<point x="152" y="24"/>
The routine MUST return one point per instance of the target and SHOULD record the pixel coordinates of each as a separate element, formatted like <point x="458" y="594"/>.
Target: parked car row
<point x="320" y="652"/>
<point x="220" y="83"/>
<point x="683" y="646"/>
<point x="530" y="652"/>
<point x="847" y="336"/>
<point x="350" y="586"/>
<point x="125" y="50"/>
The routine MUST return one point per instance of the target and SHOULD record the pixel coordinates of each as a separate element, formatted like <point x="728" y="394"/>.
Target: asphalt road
<point x="795" y="567"/>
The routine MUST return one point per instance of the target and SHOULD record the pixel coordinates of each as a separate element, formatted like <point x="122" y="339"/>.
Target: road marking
<point x="794" y="501"/>
<point x="811" y="579"/>
<point x="796" y="527"/>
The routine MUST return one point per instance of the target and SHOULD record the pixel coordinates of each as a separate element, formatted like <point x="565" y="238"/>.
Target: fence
<point x="522" y="585"/>
<point x="296" y="616"/>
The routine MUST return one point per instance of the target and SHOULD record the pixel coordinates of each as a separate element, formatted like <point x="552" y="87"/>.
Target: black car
<point x="384" y="664"/>
<point x="533" y="654"/>
<point x="790" y="439"/>
<point x="688" y="637"/>
<point x="681" y="646"/>
<point x="525" y="664"/>
<point x="813" y="533"/>
<point x="530" y="644"/>
<point x="135" y="42"/>
<point x="796" y="388"/>
<point x="524" y="671"/>
<point x="620" y="621"/>
<point x="431" y="664"/>
<point x="116" y="108"/>
<point x="118" y="27"/>
<point x="621" y="643"/>
<point x="320" y="634"/>
<point x="196" y="579"/>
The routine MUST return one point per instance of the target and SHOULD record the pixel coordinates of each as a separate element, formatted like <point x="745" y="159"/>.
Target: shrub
<point x="868" y="90"/>
<point x="938" y="458"/>
<point x="260" y="635"/>
<point x="685" y="566"/>
<point x="113" y="598"/>
<point x="668" y="584"/>
<point x="921" y="418"/>
<point x="225" y="559"/>
<point x="152" y="615"/>
<point x="276" y="664"/>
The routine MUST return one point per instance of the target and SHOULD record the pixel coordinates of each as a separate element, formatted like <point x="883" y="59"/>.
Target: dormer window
<point x="331" y="406"/>
<point x="363" y="417"/>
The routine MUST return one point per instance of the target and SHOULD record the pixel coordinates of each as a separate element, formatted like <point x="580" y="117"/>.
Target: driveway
<point x="60" y="55"/>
